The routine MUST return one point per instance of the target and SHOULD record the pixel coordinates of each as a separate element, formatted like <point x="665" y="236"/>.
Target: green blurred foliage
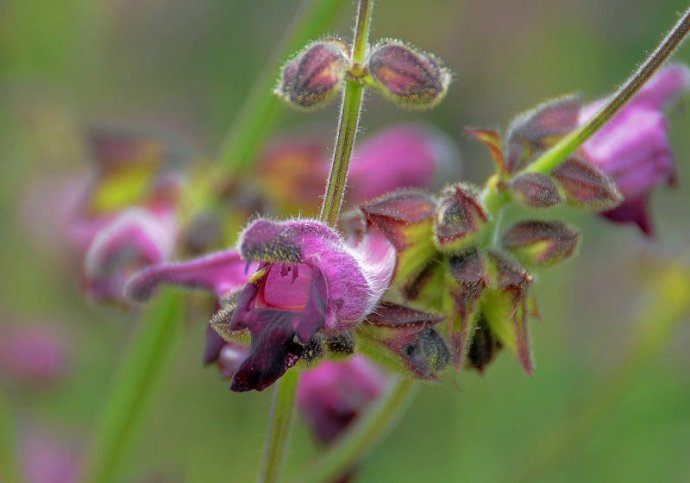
<point x="190" y="64"/>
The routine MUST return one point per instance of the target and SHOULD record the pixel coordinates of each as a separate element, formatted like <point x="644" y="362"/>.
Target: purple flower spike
<point x="221" y="272"/>
<point x="634" y="149"/>
<point x="309" y="280"/>
<point x="334" y="394"/>
<point x="133" y="239"/>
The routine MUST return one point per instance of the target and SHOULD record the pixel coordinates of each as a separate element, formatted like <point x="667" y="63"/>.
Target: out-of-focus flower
<point x="47" y="457"/>
<point x="128" y="217"/>
<point x="31" y="354"/>
<point x="292" y="172"/>
<point x="633" y="148"/>
<point x="308" y="280"/>
<point x="334" y="394"/>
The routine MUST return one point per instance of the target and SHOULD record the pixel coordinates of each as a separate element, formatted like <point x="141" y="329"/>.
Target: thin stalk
<point x="670" y="305"/>
<point x="136" y="381"/>
<point x="260" y="111"/>
<point x="348" y="123"/>
<point x="555" y="156"/>
<point x="281" y="416"/>
<point x="364" y="435"/>
<point x="279" y="429"/>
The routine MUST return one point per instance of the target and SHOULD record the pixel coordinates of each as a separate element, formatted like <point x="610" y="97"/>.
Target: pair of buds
<point x="408" y="77"/>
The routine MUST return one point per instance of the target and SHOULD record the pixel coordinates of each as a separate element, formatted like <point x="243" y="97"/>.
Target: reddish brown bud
<point x="411" y="344"/>
<point x="459" y="219"/>
<point x="314" y="75"/>
<point x="409" y="77"/>
<point x="538" y="129"/>
<point x="536" y="190"/>
<point x="586" y="186"/>
<point x="506" y="308"/>
<point x="467" y="280"/>
<point x="541" y="243"/>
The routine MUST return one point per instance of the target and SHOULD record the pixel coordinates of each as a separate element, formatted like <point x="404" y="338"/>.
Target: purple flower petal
<point x="220" y="272"/>
<point x="133" y="239"/>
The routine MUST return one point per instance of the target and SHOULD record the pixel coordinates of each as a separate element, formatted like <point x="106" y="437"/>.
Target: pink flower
<point x="32" y="354"/>
<point x="127" y="218"/>
<point x="48" y="458"/>
<point x="293" y="171"/>
<point x="308" y="280"/>
<point x="334" y="394"/>
<point x="634" y="149"/>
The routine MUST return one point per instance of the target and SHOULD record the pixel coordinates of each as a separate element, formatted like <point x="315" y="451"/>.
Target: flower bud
<point x="410" y="344"/>
<point x="586" y="186"/>
<point x="535" y="190"/>
<point x="314" y="75"/>
<point x="466" y="282"/>
<point x="459" y="218"/>
<point x="537" y="130"/>
<point x="409" y="77"/>
<point x="541" y="243"/>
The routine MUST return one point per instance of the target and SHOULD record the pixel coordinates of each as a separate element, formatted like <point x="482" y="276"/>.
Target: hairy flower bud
<point x="541" y="243"/>
<point x="409" y="77"/>
<point x="314" y="75"/>
<point x="535" y="190"/>
<point x="410" y="343"/>
<point x="586" y="186"/>
<point x="459" y="218"/>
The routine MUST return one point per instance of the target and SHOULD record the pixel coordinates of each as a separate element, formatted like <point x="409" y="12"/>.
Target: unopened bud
<point x="541" y="243"/>
<point x="459" y="220"/>
<point x="586" y="186"/>
<point x="409" y="77"/>
<point x="535" y="190"/>
<point x="315" y="75"/>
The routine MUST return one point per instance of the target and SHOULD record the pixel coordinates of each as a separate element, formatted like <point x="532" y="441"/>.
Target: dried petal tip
<point x="314" y="75"/>
<point x="459" y="219"/>
<point x="409" y="77"/>
<point x="541" y="243"/>
<point x="535" y="190"/>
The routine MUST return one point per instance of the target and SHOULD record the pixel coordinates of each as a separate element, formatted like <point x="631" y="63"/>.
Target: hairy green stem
<point x="670" y="305"/>
<point x="134" y="385"/>
<point x="259" y="113"/>
<point x="368" y="431"/>
<point x="555" y="156"/>
<point x="348" y="123"/>
<point x="279" y="429"/>
<point x="281" y="415"/>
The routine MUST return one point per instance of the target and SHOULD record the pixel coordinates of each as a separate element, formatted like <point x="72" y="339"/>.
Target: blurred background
<point x="188" y="65"/>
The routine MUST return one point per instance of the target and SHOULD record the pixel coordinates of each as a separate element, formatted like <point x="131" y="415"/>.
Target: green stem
<point x="260" y="111"/>
<point x="368" y="431"/>
<point x="670" y="304"/>
<point x="137" y="380"/>
<point x="279" y="429"/>
<point x="281" y="416"/>
<point x="555" y="156"/>
<point x="348" y="123"/>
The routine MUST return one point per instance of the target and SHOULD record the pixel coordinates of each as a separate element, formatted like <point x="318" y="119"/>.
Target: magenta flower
<point x="308" y="280"/>
<point x="293" y="170"/>
<point x="32" y="354"/>
<point x="634" y="149"/>
<point x="133" y="239"/>
<point x="334" y="394"/>
<point x="47" y="457"/>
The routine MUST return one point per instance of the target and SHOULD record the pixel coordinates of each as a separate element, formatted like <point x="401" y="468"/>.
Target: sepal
<point x="459" y="219"/>
<point x="586" y="186"/>
<point x="535" y="190"/>
<point x="541" y="243"/>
